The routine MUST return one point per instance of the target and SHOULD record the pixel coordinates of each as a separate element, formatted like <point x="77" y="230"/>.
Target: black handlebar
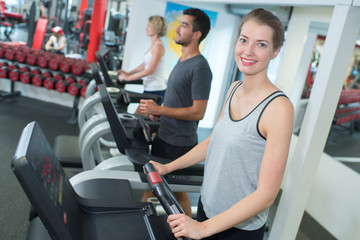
<point x="138" y="81"/>
<point x="145" y="129"/>
<point x="162" y="192"/>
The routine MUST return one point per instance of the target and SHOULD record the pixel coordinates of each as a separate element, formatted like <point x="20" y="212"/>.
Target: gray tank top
<point x="233" y="162"/>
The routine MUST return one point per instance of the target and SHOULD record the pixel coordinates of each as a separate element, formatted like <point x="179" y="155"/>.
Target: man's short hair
<point x="201" y="21"/>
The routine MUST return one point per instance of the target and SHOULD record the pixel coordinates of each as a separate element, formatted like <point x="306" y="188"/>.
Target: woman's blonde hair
<point x="160" y="25"/>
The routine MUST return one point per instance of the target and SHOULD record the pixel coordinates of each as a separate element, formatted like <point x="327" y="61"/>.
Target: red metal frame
<point x="96" y="28"/>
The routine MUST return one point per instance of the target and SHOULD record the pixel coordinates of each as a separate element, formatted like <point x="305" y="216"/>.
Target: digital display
<point x="46" y="185"/>
<point x="48" y="169"/>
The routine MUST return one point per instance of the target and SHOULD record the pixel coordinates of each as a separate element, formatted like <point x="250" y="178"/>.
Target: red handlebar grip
<point x="154" y="178"/>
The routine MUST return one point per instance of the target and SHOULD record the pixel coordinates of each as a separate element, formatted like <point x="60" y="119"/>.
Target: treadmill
<point x="99" y="208"/>
<point x="135" y="143"/>
<point x="65" y="145"/>
<point x="112" y="82"/>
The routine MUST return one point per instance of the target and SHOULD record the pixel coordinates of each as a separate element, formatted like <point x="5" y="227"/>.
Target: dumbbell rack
<point x="43" y="69"/>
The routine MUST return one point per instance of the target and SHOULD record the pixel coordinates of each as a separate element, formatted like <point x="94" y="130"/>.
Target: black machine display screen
<point x="48" y="169"/>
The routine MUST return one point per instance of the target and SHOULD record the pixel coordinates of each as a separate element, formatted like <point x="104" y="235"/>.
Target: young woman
<point x="152" y="69"/>
<point x="246" y="154"/>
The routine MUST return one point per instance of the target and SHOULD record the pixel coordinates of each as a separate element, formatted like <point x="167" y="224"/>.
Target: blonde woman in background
<point x="152" y="70"/>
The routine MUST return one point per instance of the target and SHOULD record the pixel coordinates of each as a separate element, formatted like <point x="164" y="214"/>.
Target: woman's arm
<point x="276" y="125"/>
<point x="123" y="75"/>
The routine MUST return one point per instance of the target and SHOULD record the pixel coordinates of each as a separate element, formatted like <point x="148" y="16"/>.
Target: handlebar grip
<point x="185" y="238"/>
<point x="139" y="81"/>
<point x="149" y="168"/>
<point x="162" y="192"/>
<point x="159" y="189"/>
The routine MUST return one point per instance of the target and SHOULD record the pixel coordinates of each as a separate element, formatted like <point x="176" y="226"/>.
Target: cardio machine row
<point x="133" y="146"/>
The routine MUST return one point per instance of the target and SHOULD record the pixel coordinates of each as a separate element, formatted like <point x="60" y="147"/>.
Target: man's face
<point x="184" y="32"/>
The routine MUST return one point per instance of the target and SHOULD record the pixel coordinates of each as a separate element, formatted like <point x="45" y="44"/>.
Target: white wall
<point x="334" y="198"/>
<point x="219" y="57"/>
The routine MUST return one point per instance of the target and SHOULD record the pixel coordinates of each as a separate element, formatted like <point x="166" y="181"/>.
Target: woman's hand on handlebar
<point x="161" y="168"/>
<point x="123" y="77"/>
<point x="183" y="226"/>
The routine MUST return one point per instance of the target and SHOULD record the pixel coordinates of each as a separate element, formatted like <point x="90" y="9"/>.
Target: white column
<point x="338" y="48"/>
<point x="300" y="79"/>
<point x="302" y="71"/>
<point x="291" y="68"/>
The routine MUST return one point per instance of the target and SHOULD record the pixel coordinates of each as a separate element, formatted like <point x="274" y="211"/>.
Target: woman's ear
<point x="276" y="52"/>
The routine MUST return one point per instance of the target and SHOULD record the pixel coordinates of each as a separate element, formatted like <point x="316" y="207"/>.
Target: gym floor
<point x="16" y="112"/>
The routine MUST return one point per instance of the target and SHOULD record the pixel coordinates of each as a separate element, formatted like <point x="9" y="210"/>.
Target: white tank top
<point x="57" y="43"/>
<point x="155" y="81"/>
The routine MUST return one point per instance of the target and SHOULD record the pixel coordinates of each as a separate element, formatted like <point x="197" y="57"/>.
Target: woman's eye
<point x="242" y="40"/>
<point x="262" y="45"/>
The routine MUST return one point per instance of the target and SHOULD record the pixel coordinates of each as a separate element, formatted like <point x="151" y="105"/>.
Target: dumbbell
<point x="31" y="59"/>
<point x="42" y="61"/>
<point x="83" y="92"/>
<point x="4" y="72"/>
<point x="84" y="81"/>
<point x="78" y="67"/>
<point x="26" y="50"/>
<point x="26" y="77"/>
<point x="47" y="74"/>
<point x="20" y="57"/>
<point x="2" y="64"/>
<point x="71" y="79"/>
<point x="9" y="54"/>
<point x="13" y="66"/>
<point x="66" y="65"/>
<point x="35" y="71"/>
<point x="14" y="75"/>
<point x="49" y="83"/>
<point x="25" y="69"/>
<point x="62" y="86"/>
<point x="53" y="64"/>
<point x="2" y="52"/>
<point x="37" y="80"/>
<point x="59" y="76"/>
<point x="57" y="56"/>
<point x="74" y="89"/>
<point x="4" y="46"/>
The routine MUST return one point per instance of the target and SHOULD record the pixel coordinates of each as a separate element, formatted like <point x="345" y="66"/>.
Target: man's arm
<point x="48" y="43"/>
<point x="194" y="112"/>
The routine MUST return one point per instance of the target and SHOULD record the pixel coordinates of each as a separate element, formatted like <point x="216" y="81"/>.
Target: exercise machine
<point x="64" y="144"/>
<point x="100" y="208"/>
<point x="134" y="143"/>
